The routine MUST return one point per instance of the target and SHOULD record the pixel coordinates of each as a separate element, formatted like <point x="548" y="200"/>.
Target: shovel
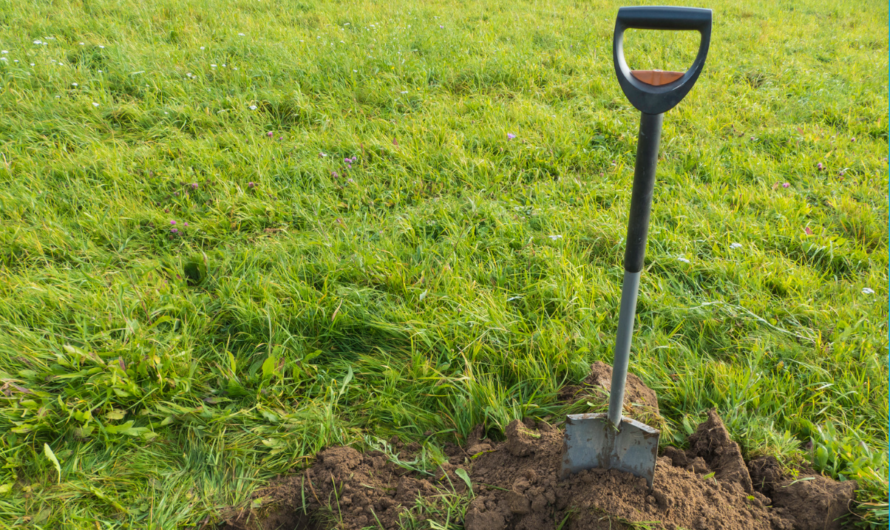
<point x="609" y="441"/>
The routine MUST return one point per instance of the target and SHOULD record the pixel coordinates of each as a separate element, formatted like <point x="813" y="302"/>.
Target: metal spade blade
<point x="592" y="441"/>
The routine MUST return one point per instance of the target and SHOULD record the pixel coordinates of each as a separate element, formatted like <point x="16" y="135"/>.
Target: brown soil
<point x="516" y="487"/>
<point x="711" y="442"/>
<point x="640" y="401"/>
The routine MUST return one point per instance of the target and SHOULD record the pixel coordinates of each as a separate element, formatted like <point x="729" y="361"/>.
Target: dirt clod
<point x="765" y="473"/>
<point x="712" y="443"/>
<point x="814" y="502"/>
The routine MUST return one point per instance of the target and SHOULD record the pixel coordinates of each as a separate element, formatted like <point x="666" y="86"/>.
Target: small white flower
<point x="103" y="47"/>
<point x="100" y="71"/>
<point x="355" y="71"/>
<point x="240" y="34"/>
<point x="224" y="65"/>
<point x="44" y="43"/>
<point x="866" y="290"/>
<point x="404" y="91"/>
<point x="202" y="47"/>
<point x="95" y="104"/>
<point x="15" y="61"/>
<point x="37" y="42"/>
<point x="234" y="68"/>
<point x="73" y="84"/>
<point x="555" y="237"/>
<point x="684" y="260"/>
<point x="253" y="107"/>
<point x="735" y="245"/>
<point x="81" y="44"/>
<point x="166" y="113"/>
<point x="32" y="64"/>
<point x="4" y="52"/>
<point x="212" y="66"/>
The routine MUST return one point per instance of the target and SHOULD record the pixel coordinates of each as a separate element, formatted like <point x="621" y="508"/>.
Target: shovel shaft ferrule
<point x="637" y="231"/>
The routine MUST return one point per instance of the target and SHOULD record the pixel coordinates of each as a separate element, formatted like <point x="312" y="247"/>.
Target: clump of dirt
<point x="516" y="486"/>
<point x="640" y="401"/>
<point x="712" y="443"/>
<point x="766" y="472"/>
<point x="807" y="500"/>
<point x="814" y="502"/>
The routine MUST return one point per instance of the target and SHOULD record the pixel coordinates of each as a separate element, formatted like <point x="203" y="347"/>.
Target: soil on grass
<point x="515" y="486"/>
<point x="640" y="401"/>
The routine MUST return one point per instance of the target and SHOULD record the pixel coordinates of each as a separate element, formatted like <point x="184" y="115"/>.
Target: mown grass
<point x="451" y="276"/>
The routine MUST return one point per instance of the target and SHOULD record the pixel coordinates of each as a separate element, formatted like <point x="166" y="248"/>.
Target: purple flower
<point x="785" y="185"/>
<point x="852" y="139"/>
<point x="269" y="134"/>
<point x="172" y="222"/>
<point x="281" y="137"/>
<point x="185" y="224"/>
<point x="176" y="194"/>
<point x="194" y="185"/>
<point x="819" y="165"/>
<point x="510" y="136"/>
<point x="174" y="231"/>
<point x="334" y="174"/>
<point x="350" y="181"/>
<point x="251" y="184"/>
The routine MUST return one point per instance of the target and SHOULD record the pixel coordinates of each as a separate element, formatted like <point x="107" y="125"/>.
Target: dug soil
<point x="515" y="485"/>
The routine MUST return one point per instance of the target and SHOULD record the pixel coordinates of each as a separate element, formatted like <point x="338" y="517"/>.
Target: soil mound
<point x="516" y="486"/>
<point x="527" y="493"/>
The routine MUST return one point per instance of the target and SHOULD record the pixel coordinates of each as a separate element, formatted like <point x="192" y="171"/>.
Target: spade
<point x="609" y="441"/>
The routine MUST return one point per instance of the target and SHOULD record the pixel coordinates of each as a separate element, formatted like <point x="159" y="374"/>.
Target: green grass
<point x="451" y="276"/>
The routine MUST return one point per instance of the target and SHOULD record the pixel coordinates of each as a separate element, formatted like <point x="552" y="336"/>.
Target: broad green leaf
<point x="462" y="473"/>
<point x="52" y="458"/>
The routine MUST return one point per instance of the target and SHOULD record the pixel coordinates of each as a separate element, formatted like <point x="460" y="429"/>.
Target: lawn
<point x="235" y="233"/>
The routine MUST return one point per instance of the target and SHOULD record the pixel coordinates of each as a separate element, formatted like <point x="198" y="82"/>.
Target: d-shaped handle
<point x="653" y="91"/>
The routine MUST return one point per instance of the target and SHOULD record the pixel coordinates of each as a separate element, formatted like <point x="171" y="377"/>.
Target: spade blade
<point x="592" y="441"/>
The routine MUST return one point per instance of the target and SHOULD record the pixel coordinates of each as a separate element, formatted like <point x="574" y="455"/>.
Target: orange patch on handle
<point x="656" y="77"/>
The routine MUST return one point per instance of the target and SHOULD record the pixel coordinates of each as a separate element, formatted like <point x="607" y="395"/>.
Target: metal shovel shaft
<point x="637" y="231"/>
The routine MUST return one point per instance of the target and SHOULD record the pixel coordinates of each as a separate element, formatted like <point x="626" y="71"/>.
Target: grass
<point x="451" y="276"/>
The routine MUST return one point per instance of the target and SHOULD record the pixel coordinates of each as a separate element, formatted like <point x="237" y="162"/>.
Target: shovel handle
<point x="652" y="91"/>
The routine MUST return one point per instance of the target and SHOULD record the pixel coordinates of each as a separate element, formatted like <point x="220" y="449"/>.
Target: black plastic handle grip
<point x="652" y="99"/>
<point x="664" y="17"/>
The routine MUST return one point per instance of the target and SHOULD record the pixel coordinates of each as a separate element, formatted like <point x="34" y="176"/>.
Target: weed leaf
<point x="462" y="473"/>
<point x="52" y="458"/>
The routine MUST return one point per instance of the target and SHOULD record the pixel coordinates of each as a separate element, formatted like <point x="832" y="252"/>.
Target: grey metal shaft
<point x="629" y="290"/>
